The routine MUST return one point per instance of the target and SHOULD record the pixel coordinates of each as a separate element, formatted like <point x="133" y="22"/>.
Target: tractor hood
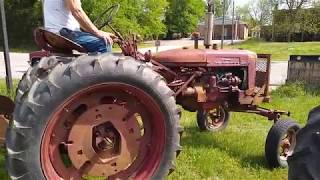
<point x="203" y="56"/>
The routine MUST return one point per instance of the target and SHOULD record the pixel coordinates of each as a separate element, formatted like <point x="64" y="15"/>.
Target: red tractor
<point x="114" y="115"/>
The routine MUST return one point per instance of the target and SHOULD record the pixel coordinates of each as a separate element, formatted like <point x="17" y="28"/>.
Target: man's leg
<point x="90" y="42"/>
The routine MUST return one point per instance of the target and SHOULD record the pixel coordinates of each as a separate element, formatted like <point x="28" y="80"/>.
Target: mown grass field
<point x="280" y="50"/>
<point x="237" y="152"/>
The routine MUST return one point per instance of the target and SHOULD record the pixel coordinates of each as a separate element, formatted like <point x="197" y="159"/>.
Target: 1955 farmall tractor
<point x="114" y="115"/>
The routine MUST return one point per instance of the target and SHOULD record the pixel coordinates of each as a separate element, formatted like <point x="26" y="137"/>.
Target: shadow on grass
<point x="195" y="138"/>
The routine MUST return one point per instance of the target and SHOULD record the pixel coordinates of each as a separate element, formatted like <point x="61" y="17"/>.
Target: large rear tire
<point x="37" y="70"/>
<point x="99" y="115"/>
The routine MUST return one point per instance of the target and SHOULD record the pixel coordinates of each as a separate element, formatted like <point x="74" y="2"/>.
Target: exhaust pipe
<point x="209" y="24"/>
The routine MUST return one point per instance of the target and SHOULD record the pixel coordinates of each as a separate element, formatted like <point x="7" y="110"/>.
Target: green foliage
<point x="125" y="20"/>
<point x="183" y="16"/>
<point x="309" y="20"/>
<point x="22" y="17"/>
<point x="290" y="90"/>
<point x="144" y="17"/>
<point x="4" y="91"/>
<point x="305" y="21"/>
<point x="295" y="89"/>
<point x="218" y="7"/>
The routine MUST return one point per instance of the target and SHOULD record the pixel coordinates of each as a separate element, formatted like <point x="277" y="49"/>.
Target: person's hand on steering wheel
<point x="109" y="37"/>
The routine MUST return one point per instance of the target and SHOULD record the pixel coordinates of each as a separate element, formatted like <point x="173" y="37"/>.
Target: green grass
<point x="237" y="152"/>
<point x="280" y="50"/>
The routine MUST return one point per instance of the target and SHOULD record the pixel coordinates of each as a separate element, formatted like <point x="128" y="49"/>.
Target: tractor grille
<point x="261" y="65"/>
<point x="263" y="71"/>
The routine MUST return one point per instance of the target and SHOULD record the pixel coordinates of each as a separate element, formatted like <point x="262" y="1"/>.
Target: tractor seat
<point x="55" y="43"/>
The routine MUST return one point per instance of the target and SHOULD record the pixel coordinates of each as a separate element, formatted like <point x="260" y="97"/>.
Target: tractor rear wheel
<point x="214" y="120"/>
<point x="37" y="70"/>
<point x="280" y="142"/>
<point x="97" y="116"/>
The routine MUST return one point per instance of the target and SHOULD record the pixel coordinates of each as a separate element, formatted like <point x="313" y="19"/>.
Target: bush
<point x="291" y="90"/>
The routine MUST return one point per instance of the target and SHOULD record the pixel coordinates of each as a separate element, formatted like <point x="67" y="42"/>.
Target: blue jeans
<point x="90" y="42"/>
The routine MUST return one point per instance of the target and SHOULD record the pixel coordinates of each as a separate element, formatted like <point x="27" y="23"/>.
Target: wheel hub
<point x="103" y="142"/>
<point x="215" y="118"/>
<point x="106" y="138"/>
<point x="112" y="131"/>
<point x="287" y="144"/>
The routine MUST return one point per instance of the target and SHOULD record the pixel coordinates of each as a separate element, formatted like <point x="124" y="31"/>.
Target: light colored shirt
<point x="57" y="16"/>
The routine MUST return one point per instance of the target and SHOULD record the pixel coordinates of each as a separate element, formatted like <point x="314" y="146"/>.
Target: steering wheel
<point x="105" y="18"/>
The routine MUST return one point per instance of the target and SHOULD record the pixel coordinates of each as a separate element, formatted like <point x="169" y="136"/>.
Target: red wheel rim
<point x="215" y="118"/>
<point x="287" y="144"/>
<point x="117" y="110"/>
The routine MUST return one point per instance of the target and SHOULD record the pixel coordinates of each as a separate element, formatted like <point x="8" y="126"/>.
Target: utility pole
<point x="223" y="18"/>
<point x="44" y="23"/>
<point x="6" y="47"/>
<point x="274" y="9"/>
<point x="232" y="36"/>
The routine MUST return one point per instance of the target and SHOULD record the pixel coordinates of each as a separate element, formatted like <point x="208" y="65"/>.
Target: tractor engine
<point x="208" y="77"/>
<point x="226" y="80"/>
<point x="213" y="86"/>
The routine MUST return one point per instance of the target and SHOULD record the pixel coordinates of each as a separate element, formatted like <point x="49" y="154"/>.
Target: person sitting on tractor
<point x="67" y="18"/>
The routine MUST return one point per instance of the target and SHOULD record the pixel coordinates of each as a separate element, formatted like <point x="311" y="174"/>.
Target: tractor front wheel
<point x="280" y="143"/>
<point x="99" y="116"/>
<point x="214" y="120"/>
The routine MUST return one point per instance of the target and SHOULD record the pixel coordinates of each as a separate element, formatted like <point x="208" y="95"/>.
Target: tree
<point x="309" y="22"/>
<point x="218" y="7"/>
<point x="182" y="16"/>
<point x="293" y="7"/>
<point x="144" y="17"/>
<point x="258" y="13"/>
<point x="243" y="12"/>
<point x="22" y="17"/>
<point x="151" y="19"/>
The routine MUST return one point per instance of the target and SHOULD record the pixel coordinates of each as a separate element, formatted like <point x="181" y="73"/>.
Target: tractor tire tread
<point x="273" y="139"/>
<point x="44" y="90"/>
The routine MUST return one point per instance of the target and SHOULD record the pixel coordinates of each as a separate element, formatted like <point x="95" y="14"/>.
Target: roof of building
<point x="227" y="21"/>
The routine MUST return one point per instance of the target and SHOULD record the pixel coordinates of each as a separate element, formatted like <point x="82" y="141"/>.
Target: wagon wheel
<point x="213" y="120"/>
<point x="98" y="116"/>
<point x="280" y="143"/>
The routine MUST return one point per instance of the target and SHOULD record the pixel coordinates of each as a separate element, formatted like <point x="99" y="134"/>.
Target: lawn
<point x="237" y="152"/>
<point x="280" y="50"/>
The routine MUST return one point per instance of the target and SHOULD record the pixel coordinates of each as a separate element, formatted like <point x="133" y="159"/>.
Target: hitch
<point x="272" y="115"/>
